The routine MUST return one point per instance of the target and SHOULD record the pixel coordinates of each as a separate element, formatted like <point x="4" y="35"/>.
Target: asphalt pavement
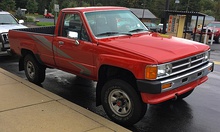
<point x="215" y="47"/>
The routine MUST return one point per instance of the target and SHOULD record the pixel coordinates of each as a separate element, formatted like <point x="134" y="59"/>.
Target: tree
<point x="158" y="8"/>
<point x="32" y="6"/>
<point x="7" y="5"/>
<point x="21" y="3"/>
<point x="51" y="6"/>
<point x="68" y="3"/>
<point x="42" y="5"/>
<point x="217" y="10"/>
<point x="85" y="4"/>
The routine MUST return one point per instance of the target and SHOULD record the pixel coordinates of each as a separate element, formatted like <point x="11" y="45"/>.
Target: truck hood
<point x="7" y="27"/>
<point x="158" y="47"/>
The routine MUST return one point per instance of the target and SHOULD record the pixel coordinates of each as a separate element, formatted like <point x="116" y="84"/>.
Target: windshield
<point x="7" y="19"/>
<point x="111" y="23"/>
<point x="214" y="24"/>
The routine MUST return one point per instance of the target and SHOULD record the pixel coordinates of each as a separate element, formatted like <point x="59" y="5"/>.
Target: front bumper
<point x="155" y="87"/>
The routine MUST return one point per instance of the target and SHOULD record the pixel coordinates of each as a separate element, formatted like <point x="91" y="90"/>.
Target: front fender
<point x="135" y="66"/>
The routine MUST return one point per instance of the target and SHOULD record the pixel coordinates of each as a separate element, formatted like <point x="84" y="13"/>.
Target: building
<point x="144" y="14"/>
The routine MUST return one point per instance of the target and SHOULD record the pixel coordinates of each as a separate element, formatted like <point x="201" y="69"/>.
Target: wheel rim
<point x="30" y="69"/>
<point x="119" y="102"/>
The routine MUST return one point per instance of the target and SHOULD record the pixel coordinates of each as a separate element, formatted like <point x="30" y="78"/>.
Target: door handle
<point x="61" y="42"/>
<point x="76" y="42"/>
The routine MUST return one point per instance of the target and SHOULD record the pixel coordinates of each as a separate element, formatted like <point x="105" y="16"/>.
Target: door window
<point x="72" y="22"/>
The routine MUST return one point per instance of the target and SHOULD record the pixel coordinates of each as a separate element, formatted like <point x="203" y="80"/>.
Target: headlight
<point x="164" y="70"/>
<point x="207" y="55"/>
<point x="153" y="72"/>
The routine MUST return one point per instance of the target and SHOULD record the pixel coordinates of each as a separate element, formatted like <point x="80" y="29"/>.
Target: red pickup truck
<point x="132" y="66"/>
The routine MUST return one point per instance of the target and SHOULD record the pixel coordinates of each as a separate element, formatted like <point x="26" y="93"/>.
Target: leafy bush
<point x="32" y="6"/>
<point x="20" y="15"/>
<point x="30" y="19"/>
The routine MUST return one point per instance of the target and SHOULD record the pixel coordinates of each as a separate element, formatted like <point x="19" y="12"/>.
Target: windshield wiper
<point x="137" y="30"/>
<point x="112" y="33"/>
<point x="125" y="33"/>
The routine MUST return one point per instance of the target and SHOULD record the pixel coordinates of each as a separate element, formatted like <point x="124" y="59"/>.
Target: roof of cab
<point x="95" y="8"/>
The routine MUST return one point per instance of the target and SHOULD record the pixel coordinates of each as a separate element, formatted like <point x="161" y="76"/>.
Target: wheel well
<point x="25" y="52"/>
<point x="107" y="72"/>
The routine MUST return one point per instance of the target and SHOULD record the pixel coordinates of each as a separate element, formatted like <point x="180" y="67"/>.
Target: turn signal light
<point x="151" y="72"/>
<point x="166" y="85"/>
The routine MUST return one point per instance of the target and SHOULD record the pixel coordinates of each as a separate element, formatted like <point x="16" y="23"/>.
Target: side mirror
<point x="72" y="35"/>
<point x="21" y="21"/>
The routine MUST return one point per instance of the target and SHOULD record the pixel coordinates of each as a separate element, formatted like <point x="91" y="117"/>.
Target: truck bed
<point x="37" y="39"/>
<point x="42" y="30"/>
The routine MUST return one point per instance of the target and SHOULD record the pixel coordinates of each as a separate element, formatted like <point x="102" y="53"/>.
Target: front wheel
<point x="34" y="71"/>
<point x="122" y="103"/>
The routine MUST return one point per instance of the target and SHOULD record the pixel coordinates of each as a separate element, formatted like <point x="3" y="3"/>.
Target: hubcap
<point x="119" y="102"/>
<point x="30" y="69"/>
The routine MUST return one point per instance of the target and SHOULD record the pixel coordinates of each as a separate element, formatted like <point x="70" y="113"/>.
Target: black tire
<point x="184" y="95"/>
<point x="217" y="39"/>
<point x="122" y="103"/>
<point x="34" y="71"/>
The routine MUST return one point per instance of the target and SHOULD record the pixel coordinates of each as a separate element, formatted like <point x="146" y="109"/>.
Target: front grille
<point x="4" y="37"/>
<point x="188" y="63"/>
<point x="4" y="41"/>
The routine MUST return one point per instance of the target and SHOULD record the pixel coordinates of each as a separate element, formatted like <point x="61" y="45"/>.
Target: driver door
<point x="74" y="55"/>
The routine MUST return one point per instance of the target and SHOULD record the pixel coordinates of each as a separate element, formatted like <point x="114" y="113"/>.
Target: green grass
<point x="30" y="19"/>
<point x="45" y="24"/>
<point x="35" y="15"/>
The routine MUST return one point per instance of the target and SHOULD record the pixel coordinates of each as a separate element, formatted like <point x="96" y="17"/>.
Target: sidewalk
<point x="26" y="107"/>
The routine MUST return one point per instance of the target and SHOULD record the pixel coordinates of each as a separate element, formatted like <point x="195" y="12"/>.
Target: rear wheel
<point x="122" y="103"/>
<point x="34" y="71"/>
